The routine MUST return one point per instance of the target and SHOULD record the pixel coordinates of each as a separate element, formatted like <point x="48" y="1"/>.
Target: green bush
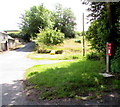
<point x="43" y="51"/>
<point x="50" y="37"/>
<point x="15" y="35"/>
<point x="115" y="63"/>
<point x="92" y="56"/>
<point x="115" y="66"/>
<point x="58" y="51"/>
<point x="78" y="41"/>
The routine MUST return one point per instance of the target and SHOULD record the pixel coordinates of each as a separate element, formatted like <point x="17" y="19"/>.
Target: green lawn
<point x="72" y="56"/>
<point x="69" y="79"/>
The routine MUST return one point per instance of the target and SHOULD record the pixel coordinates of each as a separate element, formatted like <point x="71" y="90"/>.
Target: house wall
<point x="3" y="41"/>
<point x="0" y="42"/>
<point x="7" y="42"/>
<point x="11" y="44"/>
<point x="4" y="46"/>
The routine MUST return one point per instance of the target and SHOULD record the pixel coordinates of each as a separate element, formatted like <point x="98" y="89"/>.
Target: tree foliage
<point x="38" y="18"/>
<point x="35" y="19"/>
<point x="50" y="37"/>
<point x="65" y="21"/>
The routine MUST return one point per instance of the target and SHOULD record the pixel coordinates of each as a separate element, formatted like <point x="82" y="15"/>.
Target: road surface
<point x="12" y="68"/>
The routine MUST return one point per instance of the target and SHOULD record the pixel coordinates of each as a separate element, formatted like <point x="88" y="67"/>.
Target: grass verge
<point x="36" y="56"/>
<point x="69" y="79"/>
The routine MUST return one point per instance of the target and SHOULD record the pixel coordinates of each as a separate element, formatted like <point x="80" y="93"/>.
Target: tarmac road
<point x="12" y="68"/>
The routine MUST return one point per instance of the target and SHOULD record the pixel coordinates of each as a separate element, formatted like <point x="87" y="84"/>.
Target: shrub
<point x="78" y="41"/>
<point x="43" y="51"/>
<point x="50" y="36"/>
<point x="58" y="51"/>
<point x="115" y="63"/>
<point x="15" y="35"/>
<point x="93" y="56"/>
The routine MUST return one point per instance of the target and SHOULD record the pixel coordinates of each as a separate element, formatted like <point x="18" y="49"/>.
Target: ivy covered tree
<point x="105" y="18"/>
<point x="109" y="13"/>
<point x="97" y="34"/>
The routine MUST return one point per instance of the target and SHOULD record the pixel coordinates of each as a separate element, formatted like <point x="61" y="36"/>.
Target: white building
<point x="3" y="41"/>
<point x="6" y="42"/>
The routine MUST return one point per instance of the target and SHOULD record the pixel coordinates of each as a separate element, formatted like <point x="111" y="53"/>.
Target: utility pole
<point x="83" y="38"/>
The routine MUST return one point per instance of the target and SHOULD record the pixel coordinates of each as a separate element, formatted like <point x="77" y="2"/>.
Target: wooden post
<point x="107" y="60"/>
<point x="83" y="38"/>
<point x="107" y="63"/>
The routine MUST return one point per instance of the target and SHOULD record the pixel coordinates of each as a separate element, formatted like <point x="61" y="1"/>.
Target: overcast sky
<point x="11" y="10"/>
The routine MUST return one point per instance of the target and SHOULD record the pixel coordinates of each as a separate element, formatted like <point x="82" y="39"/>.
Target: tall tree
<point x="35" y="19"/>
<point x="65" y="20"/>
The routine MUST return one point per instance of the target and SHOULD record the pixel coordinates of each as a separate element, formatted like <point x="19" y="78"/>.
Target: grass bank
<point x="69" y="79"/>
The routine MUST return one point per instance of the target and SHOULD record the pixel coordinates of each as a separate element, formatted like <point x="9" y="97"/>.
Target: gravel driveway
<point x="12" y="68"/>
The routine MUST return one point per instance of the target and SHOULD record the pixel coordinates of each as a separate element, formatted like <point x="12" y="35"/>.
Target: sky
<point x="11" y="11"/>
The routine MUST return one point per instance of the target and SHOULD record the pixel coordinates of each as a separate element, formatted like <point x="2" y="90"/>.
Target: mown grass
<point x="36" y="56"/>
<point x="69" y="79"/>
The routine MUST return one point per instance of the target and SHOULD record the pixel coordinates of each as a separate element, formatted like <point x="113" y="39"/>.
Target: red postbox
<point x="109" y="49"/>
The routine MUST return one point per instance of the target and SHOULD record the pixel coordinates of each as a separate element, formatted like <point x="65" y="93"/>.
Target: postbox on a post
<point x="109" y="49"/>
